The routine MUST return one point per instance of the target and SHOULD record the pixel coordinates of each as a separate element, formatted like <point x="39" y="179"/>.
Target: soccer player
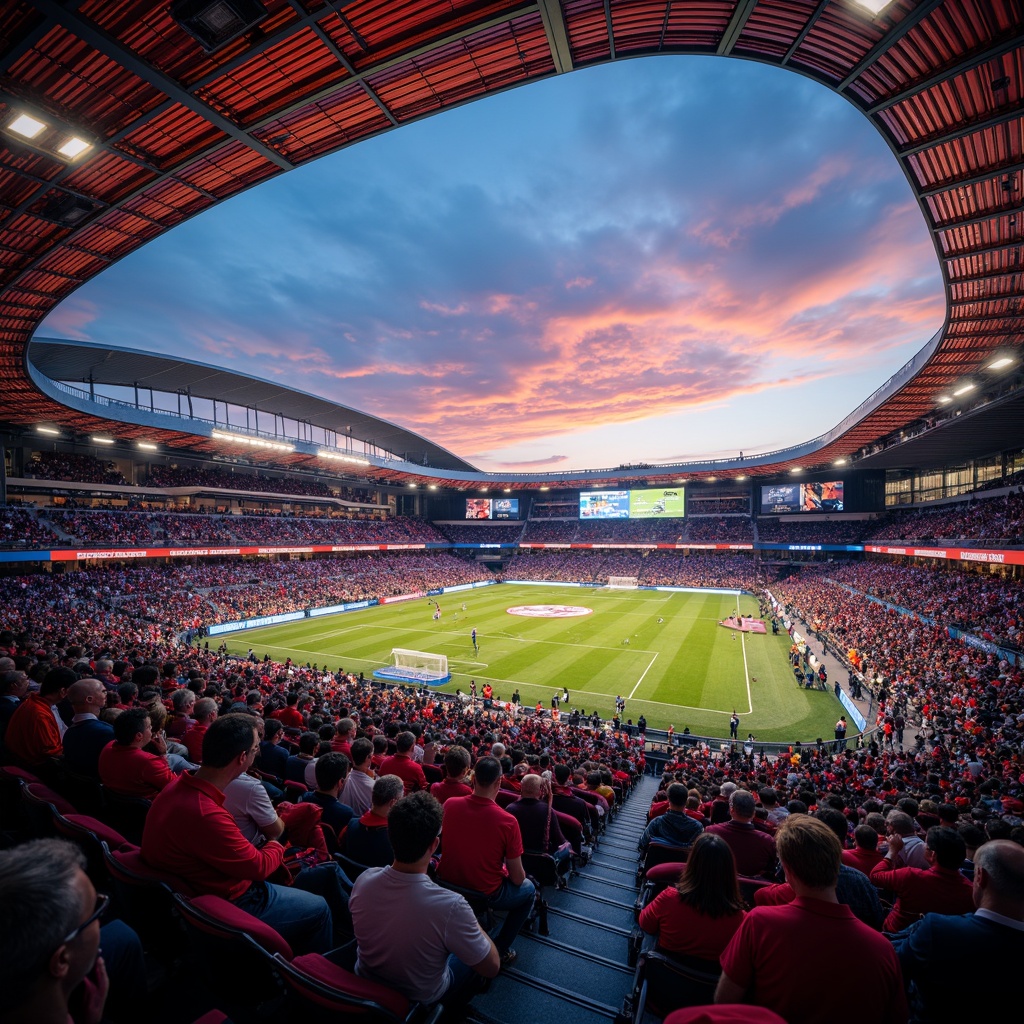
<point x="473" y="635"/>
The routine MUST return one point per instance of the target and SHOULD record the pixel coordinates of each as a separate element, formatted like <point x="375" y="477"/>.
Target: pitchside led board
<point x="815" y="496"/>
<point x="651" y="503"/>
<point x="492" y="508"/>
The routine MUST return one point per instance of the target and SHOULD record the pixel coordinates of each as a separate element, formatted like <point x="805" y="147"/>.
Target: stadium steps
<point x="578" y="972"/>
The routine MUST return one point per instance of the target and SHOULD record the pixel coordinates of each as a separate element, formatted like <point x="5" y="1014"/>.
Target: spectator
<point x="401" y="763"/>
<point x="437" y="958"/>
<point x="205" y="712"/>
<point x="357" y="792"/>
<point x="456" y="765"/>
<point x="87" y="735"/>
<point x="781" y="957"/>
<point x="49" y="934"/>
<point x="699" y="915"/>
<point x="366" y="838"/>
<point x="483" y="851"/>
<point x="675" y="827"/>
<point x="331" y="770"/>
<point x="124" y="767"/>
<point x="940" y="889"/>
<point x="753" y="848"/>
<point x="189" y="834"/>
<point x="941" y="953"/>
<point x="538" y="821"/>
<point x="33" y="736"/>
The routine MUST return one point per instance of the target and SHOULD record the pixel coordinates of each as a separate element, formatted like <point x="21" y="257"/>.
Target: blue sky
<point x="654" y="260"/>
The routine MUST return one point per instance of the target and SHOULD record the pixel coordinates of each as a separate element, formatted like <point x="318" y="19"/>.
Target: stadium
<point x="177" y="535"/>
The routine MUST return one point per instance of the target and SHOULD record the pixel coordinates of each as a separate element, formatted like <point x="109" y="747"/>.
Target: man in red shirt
<point x="190" y="835"/>
<point x="33" y="736"/>
<point x="753" y="849"/>
<point x="864" y="856"/>
<point x="125" y="767"/>
<point x="783" y="957"/>
<point x="456" y="764"/>
<point x="205" y="714"/>
<point x="940" y="889"/>
<point x="483" y="850"/>
<point x="402" y="764"/>
<point x="290" y="716"/>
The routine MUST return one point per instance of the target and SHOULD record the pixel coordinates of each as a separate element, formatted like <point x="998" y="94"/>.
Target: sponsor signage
<point x="349" y="606"/>
<point x="263" y="620"/>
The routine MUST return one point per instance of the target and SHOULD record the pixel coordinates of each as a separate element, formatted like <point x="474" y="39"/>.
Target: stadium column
<point x="3" y="474"/>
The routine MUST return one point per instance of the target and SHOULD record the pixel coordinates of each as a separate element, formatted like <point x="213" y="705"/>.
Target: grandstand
<point x="137" y="532"/>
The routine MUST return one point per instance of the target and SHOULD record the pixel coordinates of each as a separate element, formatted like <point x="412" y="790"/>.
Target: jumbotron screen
<point x="650" y="503"/>
<point x="492" y="508"/>
<point x="816" y="496"/>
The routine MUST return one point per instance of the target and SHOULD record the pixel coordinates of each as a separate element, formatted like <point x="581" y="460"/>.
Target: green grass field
<point x="687" y="670"/>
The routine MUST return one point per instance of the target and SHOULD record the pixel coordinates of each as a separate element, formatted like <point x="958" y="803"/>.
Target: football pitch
<point x="679" y="666"/>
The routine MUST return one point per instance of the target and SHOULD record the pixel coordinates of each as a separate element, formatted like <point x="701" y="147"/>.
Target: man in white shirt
<point x="438" y="957"/>
<point x="357" y="792"/>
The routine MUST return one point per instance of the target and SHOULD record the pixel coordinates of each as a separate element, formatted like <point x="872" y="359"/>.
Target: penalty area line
<point x="641" y="679"/>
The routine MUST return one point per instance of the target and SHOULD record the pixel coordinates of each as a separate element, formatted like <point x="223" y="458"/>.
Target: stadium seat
<point x="90" y="834"/>
<point x="323" y="991"/>
<point x="660" y="853"/>
<point x="232" y="953"/>
<point x="84" y="791"/>
<point x="127" y="814"/>
<point x="664" y="983"/>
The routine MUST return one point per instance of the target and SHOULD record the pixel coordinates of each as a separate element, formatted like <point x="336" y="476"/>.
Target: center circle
<point x="549" y="611"/>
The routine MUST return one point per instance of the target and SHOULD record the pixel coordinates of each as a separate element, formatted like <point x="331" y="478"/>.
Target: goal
<point x="415" y="667"/>
<point x="622" y="583"/>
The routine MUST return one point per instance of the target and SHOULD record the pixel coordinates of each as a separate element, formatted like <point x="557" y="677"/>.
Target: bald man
<point x="538" y="821"/>
<point x="942" y="955"/>
<point x="87" y="735"/>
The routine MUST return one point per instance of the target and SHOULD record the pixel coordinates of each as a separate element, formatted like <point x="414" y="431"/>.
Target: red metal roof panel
<point x="170" y="137"/>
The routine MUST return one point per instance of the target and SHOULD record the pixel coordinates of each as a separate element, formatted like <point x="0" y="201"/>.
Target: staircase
<point x="578" y="973"/>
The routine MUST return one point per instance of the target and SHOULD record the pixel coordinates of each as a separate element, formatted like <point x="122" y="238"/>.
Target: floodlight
<point x="874" y="6"/>
<point x="216" y="22"/>
<point x="839" y="462"/>
<point x="48" y="430"/>
<point x="998" y="364"/>
<point x="147" y="446"/>
<point x="25" y="126"/>
<point x="74" y="147"/>
<point x="963" y="389"/>
<point x="104" y="440"/>
<point x="944" y="399"/>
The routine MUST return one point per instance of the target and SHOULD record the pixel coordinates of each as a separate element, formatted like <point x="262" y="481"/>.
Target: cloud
<point x="614" y="248"/>
<point x="528" y="464"/>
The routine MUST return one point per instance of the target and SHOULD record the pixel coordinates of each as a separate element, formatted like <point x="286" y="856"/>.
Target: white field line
<point x="746" y="674"/>
<point x="641" y="679"/>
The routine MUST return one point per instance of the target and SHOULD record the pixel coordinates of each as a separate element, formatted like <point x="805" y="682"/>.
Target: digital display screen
<point x="657" y="503"/>
<point x="478" y="508"/>
<point x="822" y="497"/>
<point x="816" y="496"/>
<point x="505" y="508"/>
<point x="604" y="505"/>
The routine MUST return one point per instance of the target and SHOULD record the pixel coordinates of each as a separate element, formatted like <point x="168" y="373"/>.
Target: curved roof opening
<point x="643" y="262"/>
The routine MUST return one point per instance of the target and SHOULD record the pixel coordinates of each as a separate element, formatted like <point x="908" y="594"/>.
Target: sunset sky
<point x="653" y="261"/>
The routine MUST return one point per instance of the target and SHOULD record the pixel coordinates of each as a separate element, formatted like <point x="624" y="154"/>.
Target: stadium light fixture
<point x="545" y="488"/>
<point x="48" y="430"/>
<point x="413" y="486"/>
<point x="874" y="6"/>
<point x="998" y="364"/>
<point x="255" y="442"/>
<point x="508" y="490"/>
<point x="25" y="126"/>
<point x="839" y="462"/>
<point x="710" y="479"/>
<point x="148" y="446"/>
<point x="963" y="389"/>
<point x="432" y="487"/>
<point x="74" y="147"/>
<point x="741" y="477"/>
<point x="797" y="469"/>
<point x="103" y="440"/>
<point x="944" y="399"/>
<point x="334" y="457"/>
<point x="484" y="490"/>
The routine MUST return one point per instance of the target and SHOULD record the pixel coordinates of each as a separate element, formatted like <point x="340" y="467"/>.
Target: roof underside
<point x="127" y="368"/>
<point x="176" y="129"/>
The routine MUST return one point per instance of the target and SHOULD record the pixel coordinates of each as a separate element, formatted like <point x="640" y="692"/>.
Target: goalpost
<point x="622" y="583"/>
<point x="415" y="667"/>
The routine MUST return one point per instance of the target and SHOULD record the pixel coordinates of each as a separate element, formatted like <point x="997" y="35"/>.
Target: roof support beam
<point x="986" y="250"/>
<point x="967" y="64"/>
<point x="974" y="179"/>
<point x="347" y="65"/>
<point x="940" y="138"/>
<point x="558" y="36"/>
<point x="742" y="11"/>
<point x="611" y="31"/>
<point x="977" y="218"/>
<point x="110" y="47"/>
<point x="804" y="32"/>
<point x="894" y="35"/>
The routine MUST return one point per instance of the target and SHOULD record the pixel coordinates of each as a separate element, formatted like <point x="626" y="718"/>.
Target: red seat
<point x="321" y="983"/>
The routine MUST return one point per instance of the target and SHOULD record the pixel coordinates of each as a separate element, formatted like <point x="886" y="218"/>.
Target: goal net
<point x="415" y="667"/>
<point x="622" y="583"/>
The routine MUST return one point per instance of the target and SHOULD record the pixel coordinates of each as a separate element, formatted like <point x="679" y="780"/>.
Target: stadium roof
<point x="173" y="127"/>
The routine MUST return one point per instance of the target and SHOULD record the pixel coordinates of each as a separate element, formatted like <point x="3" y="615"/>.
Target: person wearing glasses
<point x="51" y="969"/>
